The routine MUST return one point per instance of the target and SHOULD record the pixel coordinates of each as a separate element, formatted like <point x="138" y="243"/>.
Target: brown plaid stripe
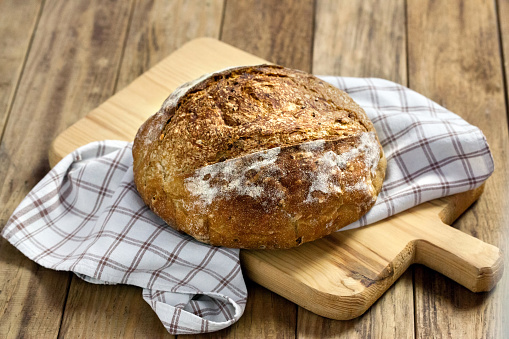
<point x="85" y="216"/>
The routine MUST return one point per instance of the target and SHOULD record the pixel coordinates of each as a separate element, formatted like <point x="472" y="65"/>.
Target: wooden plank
<point x="71" y="69"/>
<point x="278" y="31"/>
<point x="503" y="21"/>
<point x="31" y="297"/>
<point x="454" y="58"/>
<point x="109" y="311"/>
<point x="364" y="39"/>
<point x="18" y="20"/>
<point x="157" y="28"/>
<point x="361" y="39"/>
<point x="160" y="27"/>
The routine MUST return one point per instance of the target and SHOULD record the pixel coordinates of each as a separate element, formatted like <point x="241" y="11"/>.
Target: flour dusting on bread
<point x="248" y="175"/>
<point x="223" y="179"/>
<point x="331" y="166"/>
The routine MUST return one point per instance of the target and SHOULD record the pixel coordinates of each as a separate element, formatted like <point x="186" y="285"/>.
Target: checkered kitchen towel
<point x="85" y="216"/>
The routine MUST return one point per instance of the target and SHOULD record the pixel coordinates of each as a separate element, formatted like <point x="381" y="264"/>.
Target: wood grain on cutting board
<point x="341" y="275"/>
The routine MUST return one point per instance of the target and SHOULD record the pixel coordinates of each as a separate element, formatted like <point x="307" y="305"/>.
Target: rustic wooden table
<point x="60" y="59"/>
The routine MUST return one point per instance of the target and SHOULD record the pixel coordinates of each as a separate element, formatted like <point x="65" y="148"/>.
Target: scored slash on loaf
<point x="258" y="157"/>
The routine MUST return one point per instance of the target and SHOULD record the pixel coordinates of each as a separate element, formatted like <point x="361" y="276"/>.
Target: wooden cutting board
<point x="339" y="276"/>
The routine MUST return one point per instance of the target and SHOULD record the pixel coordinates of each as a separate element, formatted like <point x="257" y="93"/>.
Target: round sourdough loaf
<point x="258" y="157"/>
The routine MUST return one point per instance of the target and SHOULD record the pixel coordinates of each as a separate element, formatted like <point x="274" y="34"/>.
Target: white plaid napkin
<point x="85" y="216"/>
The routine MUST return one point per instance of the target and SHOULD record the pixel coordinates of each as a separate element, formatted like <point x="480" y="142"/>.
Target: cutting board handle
<point x="465" y="259"/>
<point x="459" y="256"/>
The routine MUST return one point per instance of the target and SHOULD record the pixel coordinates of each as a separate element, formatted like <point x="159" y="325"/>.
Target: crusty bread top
<point x="258" y="157"/>
<point x="248" y="109"/>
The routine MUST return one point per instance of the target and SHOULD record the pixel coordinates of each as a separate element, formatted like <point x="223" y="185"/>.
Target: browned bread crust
<point x="258" y="157"/>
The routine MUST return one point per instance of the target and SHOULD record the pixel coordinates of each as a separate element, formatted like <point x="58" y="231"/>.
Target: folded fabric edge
<point x="184" y="322"/>
<point x="489" y="162"/>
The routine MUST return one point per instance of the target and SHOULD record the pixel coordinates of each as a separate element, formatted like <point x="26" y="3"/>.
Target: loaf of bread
<point x="258" y="157"/>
